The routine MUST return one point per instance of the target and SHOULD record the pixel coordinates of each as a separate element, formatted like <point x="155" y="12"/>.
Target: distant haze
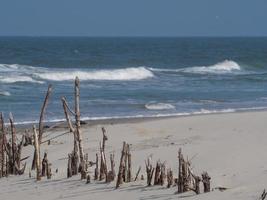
<point x="133" y="18"/>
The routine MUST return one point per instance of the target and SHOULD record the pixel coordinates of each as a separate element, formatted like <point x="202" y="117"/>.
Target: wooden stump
<point x="206" y="181"/>
<point x="37" y="150"/>
<point x="121" y="167"/>
<point x="169" y="178"/>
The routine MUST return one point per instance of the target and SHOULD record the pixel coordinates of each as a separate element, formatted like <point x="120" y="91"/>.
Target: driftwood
<point x="183" y="174"/>
<point x="44" y="165"/>
<point x="206" y="181"/>
<point x="149" y="171"/>
<point x="111" y="173"/>
<point x="13" y="143"/>
<point x="138" y="171"/>
<point x="121" y="167"/>
<point x="129" y="162"/>
<point x="75" y="145"/>
<point x="78" y="127"/>
<point x="263" y="195"/>
<point x="2" y="147"/>
<point x="169" y="178"/>
<point x="162" y="174"/>
<point x="41" y="122"/>
<point x="69" y="169"/>
<point x="88" y="179"/>
<point x="37" y="152"/>
<point x="96" y="168"/>
<point x="103" y="162"/>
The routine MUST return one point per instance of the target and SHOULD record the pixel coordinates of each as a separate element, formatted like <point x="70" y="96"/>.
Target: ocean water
<point x="132" y="77"/>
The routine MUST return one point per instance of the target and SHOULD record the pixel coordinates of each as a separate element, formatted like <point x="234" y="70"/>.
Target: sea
<point x="132" y="77"/>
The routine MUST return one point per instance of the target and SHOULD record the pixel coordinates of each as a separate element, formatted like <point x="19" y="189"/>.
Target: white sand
<point x="231" y="147"/>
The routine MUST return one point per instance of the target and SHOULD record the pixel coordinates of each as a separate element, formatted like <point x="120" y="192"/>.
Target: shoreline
<point x="130" y="119"/>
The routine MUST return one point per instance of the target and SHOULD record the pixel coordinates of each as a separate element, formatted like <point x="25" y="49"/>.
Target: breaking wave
<point x="15" y="79"/>
<point x="4" y="93"/>
<point x="138" y="73"/>
<point x="11" y="73"/>
<point x="227" y="66"/>
<point x="159" y="106"/>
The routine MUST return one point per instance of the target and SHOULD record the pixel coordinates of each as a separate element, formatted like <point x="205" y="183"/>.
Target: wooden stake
<point x="65" y="108"/>
<point x="13" y="143"/>
<point x="149" y="171"/>
<point x="162" y="174"/>
<point x="136" y="176"/>
<point x="157" y="174"/>
<point x="2" y="147"/>
<point x="111" y="174"/>
<point x="206" y="181"/>
<point x="69" y="169"/>
<point x="180" y="172"/>
<point x="37" y="150"/>
<point x="44" y="165"/>
<point x="121" y="167"/>
<point x="78" y="126"/>
<point x="41" y="120"/>
<point x="169" y="178"/>
<point x="96" y="168"/>
<point x="129" y="156"/>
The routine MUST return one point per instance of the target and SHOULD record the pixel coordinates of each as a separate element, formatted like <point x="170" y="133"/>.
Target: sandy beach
<point x="231" y="147"/>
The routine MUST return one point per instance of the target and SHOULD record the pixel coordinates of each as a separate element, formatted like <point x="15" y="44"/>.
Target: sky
<point x="133" y="17"/>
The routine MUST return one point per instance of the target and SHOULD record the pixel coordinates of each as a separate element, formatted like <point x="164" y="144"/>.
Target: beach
<point x="231" y="147"/>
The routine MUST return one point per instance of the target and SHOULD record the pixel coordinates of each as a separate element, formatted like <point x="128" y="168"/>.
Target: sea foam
<point x="4" y="93"/>
<point x="159" y="106"/>
<point x="137" y="73"/>
<point x="15" y="79"/>
<point x="227" y="66"/>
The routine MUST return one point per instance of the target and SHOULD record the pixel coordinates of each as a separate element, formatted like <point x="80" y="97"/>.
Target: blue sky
<point x="133" y="17"/>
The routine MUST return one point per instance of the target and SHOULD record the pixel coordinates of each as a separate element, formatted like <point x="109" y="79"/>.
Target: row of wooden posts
<point x="78" y="162"/>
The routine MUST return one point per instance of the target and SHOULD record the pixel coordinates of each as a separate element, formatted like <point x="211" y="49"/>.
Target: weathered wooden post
<point x="96" y="167"/>
<point x="121" y="167"/>
<point x="157" y="174"/>
<point x="180" y="172"/>
<point x="44" y="165"/>
<point x="129" y="156"/>
<point x="13" y="143"/>
<point x="69" y="169"/>
<point x="111" y="173"/>
<point x="206" y="181"/>
<point x="149" y="171"/>
<point x="162" y="174"/>
<point x="169" y="178"/>
<point x="75" y="145"/>
<point x="137" y="174"/>
<point x="2" y="147"/>
<point x="41" y="121"/>
<point x="78" y="126"/>
<point x="37" y="150"/>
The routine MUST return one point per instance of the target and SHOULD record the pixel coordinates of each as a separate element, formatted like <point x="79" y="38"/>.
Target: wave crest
<point x="227" y="66"/>
<point x="15" y="79"/>
<point x="159" y="106"/>
<point x="138" y="73"/>
<point x="4" y="93"/>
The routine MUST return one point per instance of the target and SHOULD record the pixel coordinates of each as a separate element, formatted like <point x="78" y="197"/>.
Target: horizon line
<point x="142" y="36"/>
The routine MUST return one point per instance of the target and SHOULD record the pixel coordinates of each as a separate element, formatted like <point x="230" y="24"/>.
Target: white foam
<point x="159" y="106"/>
<point x="15" y="79"/>
<point x="227" y="66"/>
<point x="4" y="93"/>
<point x="16" y="68"/>
<point x="138" y="73"/>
